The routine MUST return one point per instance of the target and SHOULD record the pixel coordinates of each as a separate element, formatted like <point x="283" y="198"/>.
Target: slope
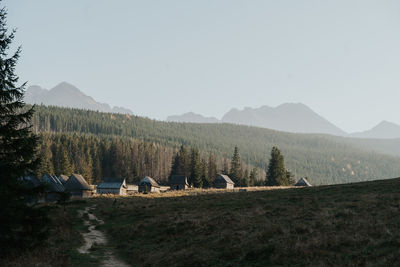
<point x="324" y="159"/>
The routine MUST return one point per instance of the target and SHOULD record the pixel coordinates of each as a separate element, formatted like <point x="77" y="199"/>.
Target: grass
<point x="341" y="225"/>
<point x="353" y="224"/>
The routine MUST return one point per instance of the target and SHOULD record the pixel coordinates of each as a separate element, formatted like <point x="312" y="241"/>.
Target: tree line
<point x="97" y="158"/>
<point x="325" y="159"/>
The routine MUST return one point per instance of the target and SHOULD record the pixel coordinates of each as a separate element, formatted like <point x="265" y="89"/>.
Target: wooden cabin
<point x="302" y="182"/>
<point x="112" y="186"/>
<point x="78" y="187"/>
<point x="223" y="181"/>
<point x="54" y="187"/>
<point x="32" y="183"/>
<point x="148" y="185"/>
<point x="178" y="182"/>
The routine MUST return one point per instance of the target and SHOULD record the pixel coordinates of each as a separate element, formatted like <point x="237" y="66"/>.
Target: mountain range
<point x="288" y="117"/>
<point x="67" y="95"/>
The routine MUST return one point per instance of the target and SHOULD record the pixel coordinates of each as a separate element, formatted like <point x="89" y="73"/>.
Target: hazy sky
<point x="158" y="58"/>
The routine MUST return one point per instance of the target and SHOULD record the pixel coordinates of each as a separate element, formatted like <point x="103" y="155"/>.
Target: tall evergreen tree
<point x="206" y="180"/>
<point x="21" y="225"/>
<point x="236" y="167"/>
<point x="212" y="167"/>
<point x="195" y="168"/>
<point x="276" y="173"/>
<point x="181" y="163"/>
<point x="64" y="164"/>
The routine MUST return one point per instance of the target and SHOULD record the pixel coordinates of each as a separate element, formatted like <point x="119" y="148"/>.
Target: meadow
<point x="351" y="224"/>
<point x="339" y="225"/>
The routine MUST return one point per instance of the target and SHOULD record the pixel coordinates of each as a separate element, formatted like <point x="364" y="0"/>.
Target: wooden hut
<point x="78" y="187"/>
<point x="148" y="185"/>
<point x="131" y="189"/>
<point x="302" y="182"/>
<point x="32" y="183"/>
<point x="54" y="187"/>
<point x="112" y="186"/>
<point x="179" y="182"/>
<point x="223" y="181"/>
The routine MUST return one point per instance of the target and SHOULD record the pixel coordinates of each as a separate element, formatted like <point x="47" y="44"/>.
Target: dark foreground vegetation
<point x="353" y="224"/>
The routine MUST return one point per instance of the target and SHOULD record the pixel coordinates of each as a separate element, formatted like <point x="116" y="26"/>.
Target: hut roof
<point x="179" y="179"/>
<point x="77" y="182"/>
<point x="53" y="182"/>
<point x="63" y="178"/>
<point x="302" y="182"/>
<point x="148" y="180"/>
<point x="112" y="183"/>
<point x="224" y="178"/>
<point x="30" y="181"/>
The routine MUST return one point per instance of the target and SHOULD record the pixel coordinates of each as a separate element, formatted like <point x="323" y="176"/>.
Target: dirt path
<point x="96" y="237"/>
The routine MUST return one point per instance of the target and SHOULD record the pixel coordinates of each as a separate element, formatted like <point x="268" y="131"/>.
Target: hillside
<point x="324" y="159"/>
<point x="342" y="225"/>
<point x="67" y="95"/>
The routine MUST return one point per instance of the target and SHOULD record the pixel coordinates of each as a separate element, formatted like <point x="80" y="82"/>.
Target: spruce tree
<point x="276" y="173"/>
<point x="236" y="168"/>
<point x="181" y="163"/>
<point x="21" y="225"/>
<point x="212" y="167"/>
<point x="195" y="168"/>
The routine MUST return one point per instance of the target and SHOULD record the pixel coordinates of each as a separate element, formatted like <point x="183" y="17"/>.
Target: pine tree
<point x="212" y="167"/>
<point x="64" y="165"/>
<point x="236" y="173"/>
<point x="195" y="168"/>
<point x="181" y="163"/>
<point x="45" y="164"/>
<point x="17" y="154"/>
<point x="206" y="180"/>
<point x="276" y="173"/>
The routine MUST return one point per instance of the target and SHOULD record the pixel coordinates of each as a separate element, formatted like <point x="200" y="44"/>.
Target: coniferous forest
<point x="101" y="145"/>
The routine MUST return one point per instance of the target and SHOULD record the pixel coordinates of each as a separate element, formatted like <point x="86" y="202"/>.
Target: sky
<point x="160" y="58"/>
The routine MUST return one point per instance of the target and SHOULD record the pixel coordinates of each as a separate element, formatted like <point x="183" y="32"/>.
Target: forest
<point x="119" y="140"/>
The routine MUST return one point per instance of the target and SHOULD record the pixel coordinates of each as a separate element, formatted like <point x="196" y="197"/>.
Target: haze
<point x="159" y="58"/>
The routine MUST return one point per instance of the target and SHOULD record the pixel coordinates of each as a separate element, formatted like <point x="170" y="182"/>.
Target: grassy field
<point x="341" y="225"/>
<point x="353" y="224"/>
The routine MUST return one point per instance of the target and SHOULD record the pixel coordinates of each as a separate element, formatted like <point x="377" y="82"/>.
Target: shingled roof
<point x="225" y="178"/>
<point x="179" y="179"/>
<point x="112" y="183"/>
<point x="302" y="182"/>
<point x="54" y="184"/>
<point x="148" y="180"/>
<point x="77" y="182"/>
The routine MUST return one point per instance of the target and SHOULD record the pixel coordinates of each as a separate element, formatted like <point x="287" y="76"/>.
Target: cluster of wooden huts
<point x="54" y="186"/>
<point x="75" y="186"/>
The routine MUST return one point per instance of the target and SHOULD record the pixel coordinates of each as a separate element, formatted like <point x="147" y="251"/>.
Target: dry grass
<point x="354" y="224"/>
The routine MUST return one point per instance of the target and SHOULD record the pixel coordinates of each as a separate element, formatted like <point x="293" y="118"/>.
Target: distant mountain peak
<point x="65" y="94"/>
<point x="192" y="117"/>
<point x="383" y="130"/>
